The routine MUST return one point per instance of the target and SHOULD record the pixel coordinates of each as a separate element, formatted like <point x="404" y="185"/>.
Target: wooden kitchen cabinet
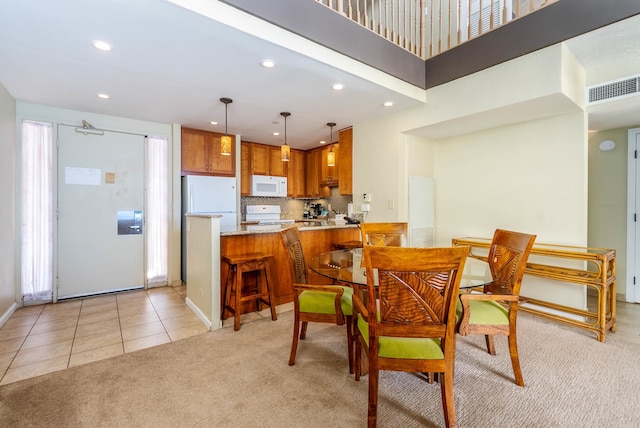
<point x="267" y="160"/>
<point x="313" y="173"/>
<point x="245" y="169"/>
<point x="201" y="154"/>
<point x="314" y="241"/>
<point x="329" y="174"/>
<point x="296" y="177"/>
<point x="345" y="167"/>
<point x="315" y="186"/>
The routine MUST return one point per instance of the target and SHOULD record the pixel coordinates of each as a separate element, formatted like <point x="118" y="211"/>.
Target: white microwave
<point x="267" y="185"/>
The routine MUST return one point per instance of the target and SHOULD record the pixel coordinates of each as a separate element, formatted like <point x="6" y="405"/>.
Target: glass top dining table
<point x="346" y="266"/>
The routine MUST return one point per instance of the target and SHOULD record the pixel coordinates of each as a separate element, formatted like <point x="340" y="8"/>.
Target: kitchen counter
<point x="314" y="224"/>
<point x="317" y="236"/>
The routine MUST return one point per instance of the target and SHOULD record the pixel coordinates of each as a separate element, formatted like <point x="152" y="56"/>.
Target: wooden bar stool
<point x="238" y="265"/>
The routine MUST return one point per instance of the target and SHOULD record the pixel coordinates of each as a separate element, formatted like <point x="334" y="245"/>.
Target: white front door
<point x="100" y="187"/>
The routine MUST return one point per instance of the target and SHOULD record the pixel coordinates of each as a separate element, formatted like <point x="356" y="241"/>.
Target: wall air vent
<point x="613" y="90"/>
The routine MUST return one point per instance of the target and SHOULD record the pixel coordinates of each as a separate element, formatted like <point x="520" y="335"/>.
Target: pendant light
<point x="331" y="157"/>
<point x="225" y="141"/>
<point x="285" y="150"/>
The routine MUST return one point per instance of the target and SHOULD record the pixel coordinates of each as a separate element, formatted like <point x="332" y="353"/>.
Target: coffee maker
<point x="315" y="210"/>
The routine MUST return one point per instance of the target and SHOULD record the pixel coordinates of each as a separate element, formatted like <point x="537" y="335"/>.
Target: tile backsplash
<point x="294" y="208"/>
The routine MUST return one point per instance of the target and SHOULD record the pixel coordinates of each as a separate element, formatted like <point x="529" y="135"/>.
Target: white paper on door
<point x="88" y="176"/>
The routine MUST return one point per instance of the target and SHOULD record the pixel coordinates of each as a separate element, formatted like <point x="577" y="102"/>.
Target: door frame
<point x="56" y="116"/>
<point x="632" y="286"/>
<point x="55" y="171"/>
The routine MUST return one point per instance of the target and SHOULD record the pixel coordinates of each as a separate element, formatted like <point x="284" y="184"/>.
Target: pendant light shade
<point x="285" y="150"/>
<point x="331" y="157"/>
<point x="225" y="141"/>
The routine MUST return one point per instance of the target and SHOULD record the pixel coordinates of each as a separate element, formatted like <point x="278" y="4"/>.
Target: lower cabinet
<point x="313" y="242"/>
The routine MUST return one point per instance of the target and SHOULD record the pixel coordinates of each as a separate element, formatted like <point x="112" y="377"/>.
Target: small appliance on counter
<point x="265" y="215"/>
<point x="315" y="210"/>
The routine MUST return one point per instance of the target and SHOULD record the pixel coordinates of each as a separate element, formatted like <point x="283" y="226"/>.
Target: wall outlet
<point x="366" y="197"/>
<point x="391" y="204"/>
<point x="365" y="208"/>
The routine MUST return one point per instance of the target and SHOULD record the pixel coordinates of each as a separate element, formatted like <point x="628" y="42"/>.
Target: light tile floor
<point x="41" y="339"/>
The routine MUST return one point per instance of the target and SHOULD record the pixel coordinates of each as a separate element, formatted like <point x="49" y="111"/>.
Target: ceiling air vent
<point x="614" y="89"/>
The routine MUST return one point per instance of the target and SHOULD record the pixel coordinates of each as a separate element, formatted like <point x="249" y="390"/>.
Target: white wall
<point x="529" y="177"/>
<point x="379" y="168"/>
<point x="508" y="149"/>
<point x="543" y="84"/>
<point x="8" y="205"/>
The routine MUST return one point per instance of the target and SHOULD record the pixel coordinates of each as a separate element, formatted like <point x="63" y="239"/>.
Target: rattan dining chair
<point x="408" y="320"/>
<point x="315" y="303"/>
<point x="494" y="311"/>
<point x="385" y="234"/>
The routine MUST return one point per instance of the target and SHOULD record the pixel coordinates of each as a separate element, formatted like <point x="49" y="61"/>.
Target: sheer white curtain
<point x="157" y="217"/>
<point x="37" y="211"/>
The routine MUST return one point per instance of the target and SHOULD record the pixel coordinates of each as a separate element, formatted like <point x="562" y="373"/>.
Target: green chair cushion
<point x="485" y="312"/>
<point x="403" y="347"/>
<point x="322" y="302"/>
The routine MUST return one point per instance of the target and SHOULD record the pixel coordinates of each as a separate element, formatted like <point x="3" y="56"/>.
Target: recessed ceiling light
<point x="103" y="96"/>
<point x="388" y="103"/>
<point x="213" y="122"/>
<point x="103" y="46"/>
<point x="268" y="63"/>
<point x="323" y="142"/>
<point x="338" y="87"/>
<point x="276" y="133"/>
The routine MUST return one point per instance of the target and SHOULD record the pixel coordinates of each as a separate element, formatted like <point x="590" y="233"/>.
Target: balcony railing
<point x="429" y="27"/>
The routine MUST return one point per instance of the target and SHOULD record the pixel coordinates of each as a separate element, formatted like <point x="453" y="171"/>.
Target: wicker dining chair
<point x="315" y="303"/>
<point x="494" y="311"/>
<point x="407" y="322"/>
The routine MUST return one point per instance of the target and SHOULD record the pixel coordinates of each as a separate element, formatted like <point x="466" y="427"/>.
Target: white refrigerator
<point x="202" y="194"/>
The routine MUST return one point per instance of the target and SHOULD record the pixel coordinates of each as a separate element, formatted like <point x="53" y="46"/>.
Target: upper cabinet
<point x="296" y="174"/>
<point x="313" y="173"/>
<point x="345" y="167"/>
<point x="329" y="174"/>
<point x="266" y="160"/>
<point x="201" y="154"/>
<point x="316" y="185"/>
<point x="245" y="169"/>
<point x="308" y="173"/>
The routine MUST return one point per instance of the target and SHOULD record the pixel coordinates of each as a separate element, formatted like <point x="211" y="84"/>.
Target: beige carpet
<point x="241" y="379"/>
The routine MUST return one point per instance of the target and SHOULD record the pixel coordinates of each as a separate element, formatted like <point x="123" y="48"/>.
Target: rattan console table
<point x="599" y="274"/>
